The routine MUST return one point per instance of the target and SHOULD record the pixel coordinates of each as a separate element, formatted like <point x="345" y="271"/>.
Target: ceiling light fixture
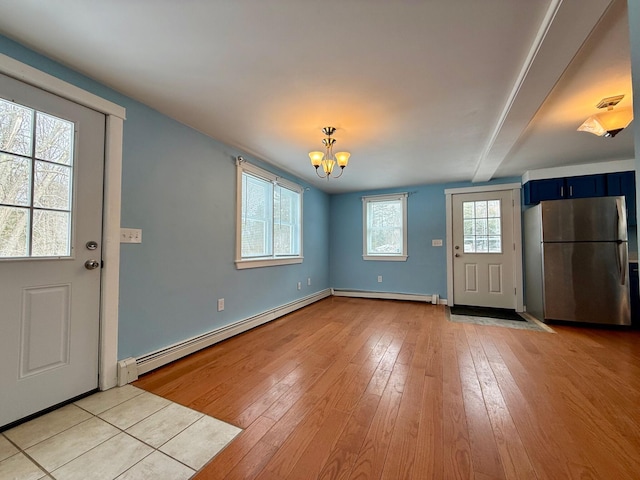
<point x="327" y="159"/>
<point x="611" y="122"/>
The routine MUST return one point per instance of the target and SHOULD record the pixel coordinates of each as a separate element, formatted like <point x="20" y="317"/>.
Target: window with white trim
<point x="269" y="219"/>
<point x="385" y="227"/>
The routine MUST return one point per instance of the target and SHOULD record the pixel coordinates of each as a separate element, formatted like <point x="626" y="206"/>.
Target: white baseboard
<point x="153" y="360"/>
<point x="388" y="296"/>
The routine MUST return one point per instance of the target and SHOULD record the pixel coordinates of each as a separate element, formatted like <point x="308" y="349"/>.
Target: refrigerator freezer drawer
<point x="586" y="282"/>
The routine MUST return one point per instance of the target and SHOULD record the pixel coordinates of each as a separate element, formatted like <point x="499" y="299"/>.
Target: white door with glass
<point x="483" y="249"/>
<point x="51" y="171"/>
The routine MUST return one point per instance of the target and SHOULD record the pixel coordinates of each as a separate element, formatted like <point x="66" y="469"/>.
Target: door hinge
<point x="515" y="291"/>
<point x="101" y="263"/>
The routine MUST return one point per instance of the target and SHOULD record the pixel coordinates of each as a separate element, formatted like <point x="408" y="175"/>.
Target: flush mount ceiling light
<point x="608" y="123"/>
<point x="327" y="159"/>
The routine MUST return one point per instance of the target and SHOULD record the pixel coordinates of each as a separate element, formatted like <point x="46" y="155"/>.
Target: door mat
<point x="527" y="323"/>
<point x="501" y="313"/>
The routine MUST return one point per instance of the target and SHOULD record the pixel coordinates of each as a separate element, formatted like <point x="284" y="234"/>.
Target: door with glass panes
<point x="483" y="249"/>
<point x="51" y="179"/>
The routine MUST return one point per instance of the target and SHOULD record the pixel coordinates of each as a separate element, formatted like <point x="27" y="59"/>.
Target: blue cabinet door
<point x="585" y="186"/>
<point x="536" y="191"/>
<point x="624" y="183"/>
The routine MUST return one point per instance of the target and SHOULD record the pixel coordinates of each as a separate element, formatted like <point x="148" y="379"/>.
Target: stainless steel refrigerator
<point x="576" y="261"/>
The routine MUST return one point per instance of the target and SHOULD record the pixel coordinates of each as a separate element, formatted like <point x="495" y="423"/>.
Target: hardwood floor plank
<point x="513" y="455"/>
<point x="484" y="450"/>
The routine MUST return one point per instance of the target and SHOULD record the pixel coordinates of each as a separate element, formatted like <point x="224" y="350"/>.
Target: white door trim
<point x="517" y="236"/>
<point x="110" y="274"/>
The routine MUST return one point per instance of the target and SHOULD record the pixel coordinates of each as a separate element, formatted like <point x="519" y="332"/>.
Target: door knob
<point x="91" y="264"/>
<point x="457" y="254"/>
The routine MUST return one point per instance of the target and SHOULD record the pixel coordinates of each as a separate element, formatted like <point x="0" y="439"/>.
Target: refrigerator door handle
<point x="624" y="262"/>
<point x="622" y="219"/>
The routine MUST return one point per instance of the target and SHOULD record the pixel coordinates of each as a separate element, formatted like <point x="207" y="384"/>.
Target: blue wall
<point x="179" y="187"/>
<point x="424" y="272"/>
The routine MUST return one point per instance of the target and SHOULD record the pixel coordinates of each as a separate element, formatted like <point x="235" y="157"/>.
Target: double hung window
<point x="385" y="227"/>
<point x="269" y="230"/>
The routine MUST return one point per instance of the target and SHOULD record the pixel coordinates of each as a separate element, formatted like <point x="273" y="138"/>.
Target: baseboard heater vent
<point x="153" y="360"/>
<point x="435" y="299"/>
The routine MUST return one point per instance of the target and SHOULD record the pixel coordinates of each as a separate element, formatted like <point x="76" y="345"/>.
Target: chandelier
<point x="327" y="159"/>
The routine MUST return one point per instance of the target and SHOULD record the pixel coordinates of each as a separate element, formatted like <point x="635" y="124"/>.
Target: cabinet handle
<point x="562" y="191"/>
<point x="571" y="190"/>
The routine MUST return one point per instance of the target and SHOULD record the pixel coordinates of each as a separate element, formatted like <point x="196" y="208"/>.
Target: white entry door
<point x="483" y="249"/>
<point x="51" y="183"/>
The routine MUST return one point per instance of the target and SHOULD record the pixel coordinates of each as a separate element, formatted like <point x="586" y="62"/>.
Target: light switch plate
<point x="130" y="235"/>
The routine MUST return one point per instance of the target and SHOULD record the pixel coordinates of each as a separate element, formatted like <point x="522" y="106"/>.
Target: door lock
<point x="92" y="245"/>
<point x="91" y="264"/>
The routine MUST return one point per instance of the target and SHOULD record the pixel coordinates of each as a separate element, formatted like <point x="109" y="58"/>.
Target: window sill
<point x="386" y="258"/>
<point x="267" y="262"/>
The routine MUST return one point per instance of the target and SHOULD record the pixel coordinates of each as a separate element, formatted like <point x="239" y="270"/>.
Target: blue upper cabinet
<point x="610" y="184"/>
<point x="536" y="191"/>
<point x="624" y="183"/>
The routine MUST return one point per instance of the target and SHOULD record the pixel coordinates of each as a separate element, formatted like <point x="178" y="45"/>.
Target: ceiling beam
<point x="566" y="26"/>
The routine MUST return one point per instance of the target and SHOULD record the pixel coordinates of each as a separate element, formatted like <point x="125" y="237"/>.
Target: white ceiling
<point x="421" y="91"/>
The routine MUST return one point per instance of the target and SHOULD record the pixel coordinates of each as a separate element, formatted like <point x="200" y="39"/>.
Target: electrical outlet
<point x="130" y="235"/>
<point x="299" y="285"/>
<point x="437" y="242"/>
<point x="309" y="281"/>
<point x="379" y="278"/>
<point x="220" y="304"/>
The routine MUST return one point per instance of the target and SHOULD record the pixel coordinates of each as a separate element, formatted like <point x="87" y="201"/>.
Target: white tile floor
<point x="124" y="433"/>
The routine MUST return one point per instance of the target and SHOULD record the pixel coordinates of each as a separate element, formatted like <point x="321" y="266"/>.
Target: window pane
<point x="52" y="186"/>
<point x="14" y="228"/>
<point x="481" y="209"/>
<point x="481" y="227"/>
<point x="467" y="209"/>
<point x="495" y="245"/>
<point x="257" y="200"/>
<point x="16" y="123"/>
<point x="493" y="225"/>
<point x="54" y="139"/>
<point x="469" y="245"/>
<point x="286" y="221"/>
<point x="482" y="245"/>
<point x="493" y="207"/>
<point x="469" y="227"/>
<point x="283" y="240"/>
<point x="253" y="238"/>
<point x="15" y="180"/>
<point x="51" y="234"/>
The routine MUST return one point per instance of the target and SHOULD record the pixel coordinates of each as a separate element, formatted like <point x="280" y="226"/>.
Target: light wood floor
<point x="368" y="389"/>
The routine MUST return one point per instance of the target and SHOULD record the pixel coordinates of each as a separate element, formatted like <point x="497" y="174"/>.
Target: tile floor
<point x="123" y="433"/>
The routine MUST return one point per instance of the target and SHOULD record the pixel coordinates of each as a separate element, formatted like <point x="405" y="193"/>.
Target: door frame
<point x="110" y="273"/>
<point x="517" y="236"/>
